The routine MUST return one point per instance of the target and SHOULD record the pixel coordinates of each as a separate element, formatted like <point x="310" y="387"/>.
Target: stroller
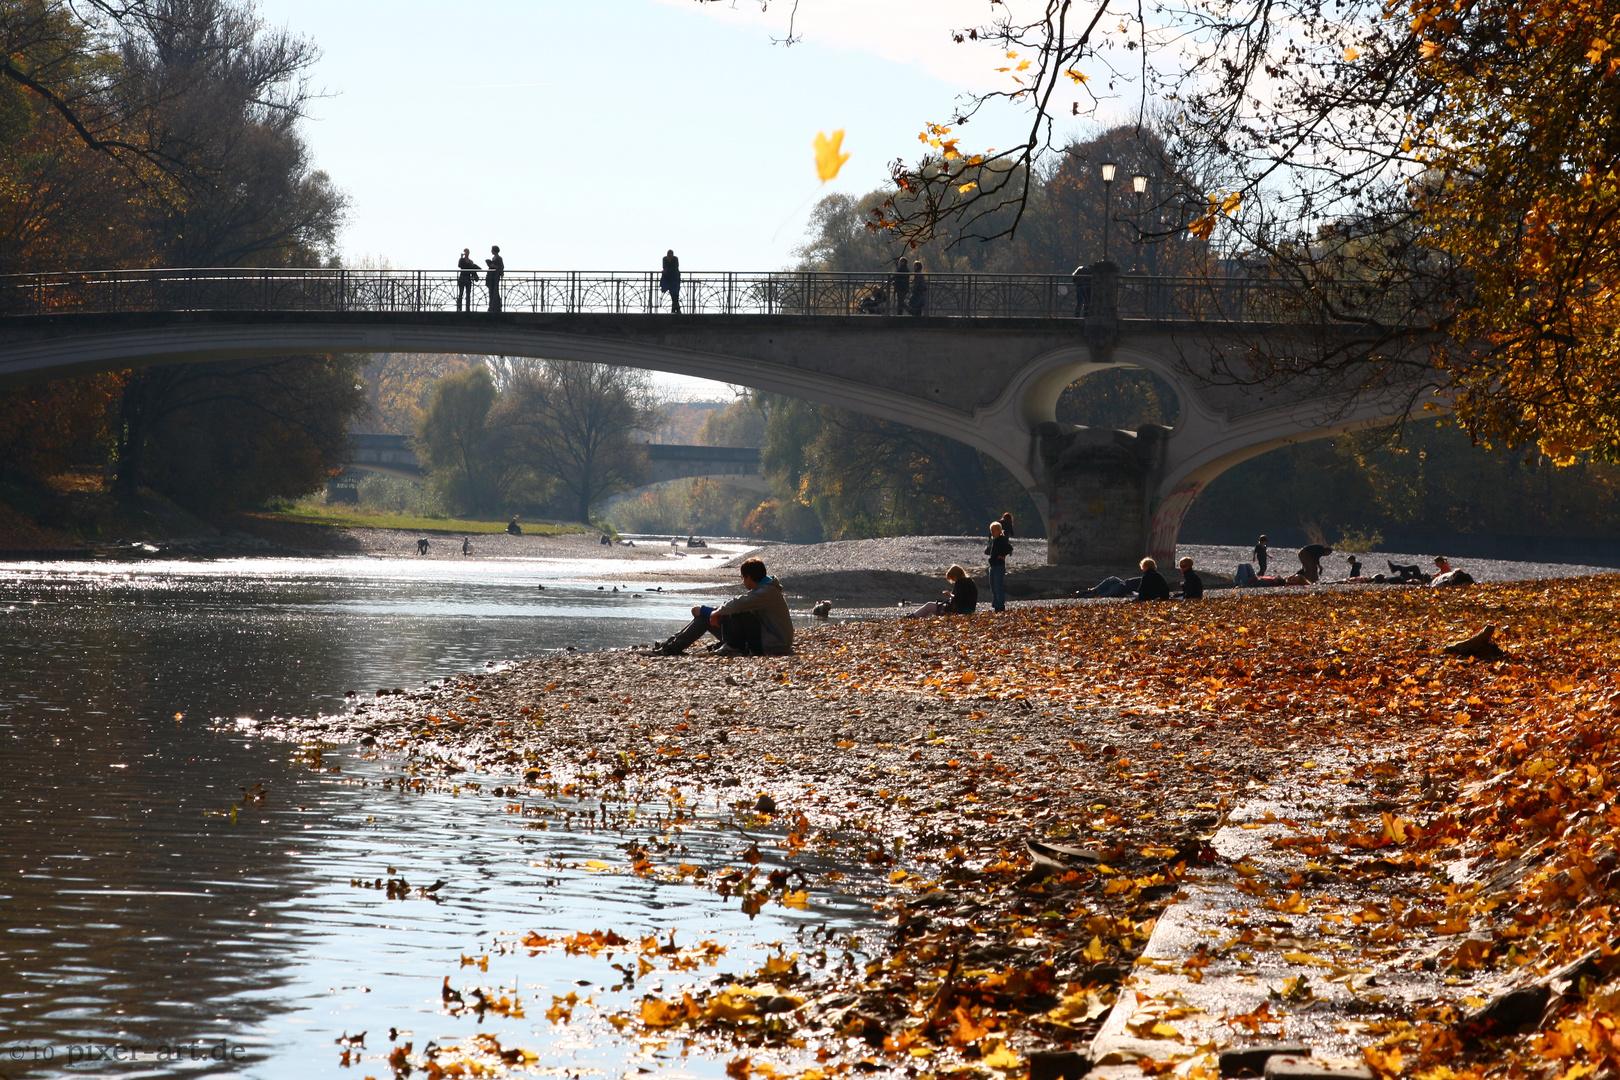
<point x="875" y="302"/>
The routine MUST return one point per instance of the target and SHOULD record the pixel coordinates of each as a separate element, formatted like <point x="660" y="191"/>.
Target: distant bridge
<point x="983" y="360"/>
<point x="391" y="455"/>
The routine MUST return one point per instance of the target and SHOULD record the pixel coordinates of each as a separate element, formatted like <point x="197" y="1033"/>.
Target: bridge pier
<point x="1099" y="487"/>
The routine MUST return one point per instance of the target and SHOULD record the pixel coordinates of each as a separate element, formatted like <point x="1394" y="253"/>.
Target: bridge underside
<point x="992" y="383"/>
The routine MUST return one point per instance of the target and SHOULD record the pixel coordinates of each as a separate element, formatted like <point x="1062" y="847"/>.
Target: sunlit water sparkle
<point x="134" y="913"/>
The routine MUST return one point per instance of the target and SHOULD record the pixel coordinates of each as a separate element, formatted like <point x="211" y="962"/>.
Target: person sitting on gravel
<point x="1192" y="586"/>
<point x="961" y="599"/>
<point x="1153" y="586"/>
<point x="756" y="623"/>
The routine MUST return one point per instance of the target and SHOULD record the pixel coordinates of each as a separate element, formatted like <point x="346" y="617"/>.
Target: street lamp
<point x="1139" y="184"/>
<point x="1108" y="170"/>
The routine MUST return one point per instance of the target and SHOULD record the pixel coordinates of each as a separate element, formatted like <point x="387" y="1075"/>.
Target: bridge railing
<point x="636" y="292"/>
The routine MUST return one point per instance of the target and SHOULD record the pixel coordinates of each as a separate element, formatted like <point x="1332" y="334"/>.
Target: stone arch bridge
<point x="391" y="455"/>
<point x="983" y="362"/>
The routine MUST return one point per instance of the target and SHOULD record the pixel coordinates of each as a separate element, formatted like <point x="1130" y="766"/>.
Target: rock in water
<point x="1481" y="645"/>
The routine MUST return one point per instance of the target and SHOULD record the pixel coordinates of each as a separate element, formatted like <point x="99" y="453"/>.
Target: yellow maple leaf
<point x="829" y="156"/>
<point x="1351" y="53"/>
<point x="1077" y="76"/>
<point x="1002" y="1057"/>
<point x="963" y="189"/>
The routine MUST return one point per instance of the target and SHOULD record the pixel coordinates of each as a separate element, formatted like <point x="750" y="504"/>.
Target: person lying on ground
<point x="1404" y="575"/>
<point x="960" y="599"/>
<point x="1153" y="586"/>
<point x="1192" y="586"/>
<point x="756" y="623"/>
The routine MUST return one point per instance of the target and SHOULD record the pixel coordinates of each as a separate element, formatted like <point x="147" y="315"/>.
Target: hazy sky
<point x="595" y="134"/>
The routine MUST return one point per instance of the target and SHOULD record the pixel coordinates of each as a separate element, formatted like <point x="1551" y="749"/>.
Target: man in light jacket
<point x="756" y="623"/>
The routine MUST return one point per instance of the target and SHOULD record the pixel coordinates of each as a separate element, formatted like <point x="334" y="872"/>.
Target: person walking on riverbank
<point x="669" y="281"/>
<point x="997" y="551"/>
<point x="492" y="280"/>
<point x="1261" y="553"/>
<point x="466" y="545"/>
<point x="422" y="546"/>
<point x="465" y="280"/>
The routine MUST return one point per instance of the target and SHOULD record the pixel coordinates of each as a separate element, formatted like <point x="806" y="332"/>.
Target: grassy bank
<point x="338" y="517"/>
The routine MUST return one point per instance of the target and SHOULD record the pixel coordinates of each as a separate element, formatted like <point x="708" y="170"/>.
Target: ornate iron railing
<point x="775" y="293"/>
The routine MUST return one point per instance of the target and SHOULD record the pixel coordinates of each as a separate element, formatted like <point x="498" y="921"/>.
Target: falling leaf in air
<point x="829" y="158"/>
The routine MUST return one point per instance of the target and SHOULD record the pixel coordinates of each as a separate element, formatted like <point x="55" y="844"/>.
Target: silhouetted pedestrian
<point x="466" y="546"/>
<point x="492" y="280"/>
<point x="465" y="279"/>
<point x="1007" y="525"/>
<point x="1261" y="553"/>
<point x="919" y="288"/>
<point x="900" y="284"/>
<point x="422" y="546"/>
<point x="670" y="280"/>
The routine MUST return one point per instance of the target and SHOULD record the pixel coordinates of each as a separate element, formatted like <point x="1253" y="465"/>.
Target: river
<point x="160" y="917"/>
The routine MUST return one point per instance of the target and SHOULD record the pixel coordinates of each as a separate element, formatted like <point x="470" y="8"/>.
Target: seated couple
<point x="960" y="599"/>
<point x="1151" y="585"/>
<point x="756" y="623"/>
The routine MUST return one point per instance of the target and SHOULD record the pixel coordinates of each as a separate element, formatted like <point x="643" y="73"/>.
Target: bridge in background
<point x="983" y="361"/>
<point x="391" y="455"/>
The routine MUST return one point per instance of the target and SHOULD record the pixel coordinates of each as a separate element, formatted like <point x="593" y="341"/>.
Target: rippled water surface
<point x="139" y="921"/>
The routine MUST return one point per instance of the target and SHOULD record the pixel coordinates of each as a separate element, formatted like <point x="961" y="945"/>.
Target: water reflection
<point x="135" y="912"/>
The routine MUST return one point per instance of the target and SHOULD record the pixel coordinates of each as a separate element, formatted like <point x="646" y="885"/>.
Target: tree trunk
<point x="134" y="428"/>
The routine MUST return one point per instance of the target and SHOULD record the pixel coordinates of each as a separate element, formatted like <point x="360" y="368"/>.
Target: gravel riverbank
<point x="925" y="757"/>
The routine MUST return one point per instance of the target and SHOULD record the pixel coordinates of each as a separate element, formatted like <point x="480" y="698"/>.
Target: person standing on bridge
<point x="670" y="280"/>
<point x="997" y="550"/>
<point x="492" y="280"/>
<point x="919" y="289"/>
<point x="465" y="279"/>
<point x="900" y="284"/>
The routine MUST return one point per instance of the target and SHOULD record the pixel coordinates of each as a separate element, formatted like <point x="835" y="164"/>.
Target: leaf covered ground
<point x="919" y="757"/>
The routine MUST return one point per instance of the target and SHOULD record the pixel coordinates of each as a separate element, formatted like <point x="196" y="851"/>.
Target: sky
<point x="596" y="134"/>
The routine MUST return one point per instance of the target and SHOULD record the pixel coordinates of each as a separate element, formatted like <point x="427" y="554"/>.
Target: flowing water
<point x="158" y="918"/>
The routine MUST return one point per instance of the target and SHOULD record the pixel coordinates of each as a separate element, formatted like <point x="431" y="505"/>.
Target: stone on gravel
<point x="1293" y="1067"/>
<point x="1252" y="1060"/>
<point x="1058" y="1065"/>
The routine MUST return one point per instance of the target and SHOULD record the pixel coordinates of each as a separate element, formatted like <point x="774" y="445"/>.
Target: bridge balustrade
<point x="1037" y="296"/>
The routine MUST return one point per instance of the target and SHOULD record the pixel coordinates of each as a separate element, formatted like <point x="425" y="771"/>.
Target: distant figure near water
<point x="466" y="545"/>
<point x="465" y="279"/>
<point x="422" y="546"/>
<point x="492" y="280"/>
<point x="513" y="528"/>
<point x="670" y="280"/>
